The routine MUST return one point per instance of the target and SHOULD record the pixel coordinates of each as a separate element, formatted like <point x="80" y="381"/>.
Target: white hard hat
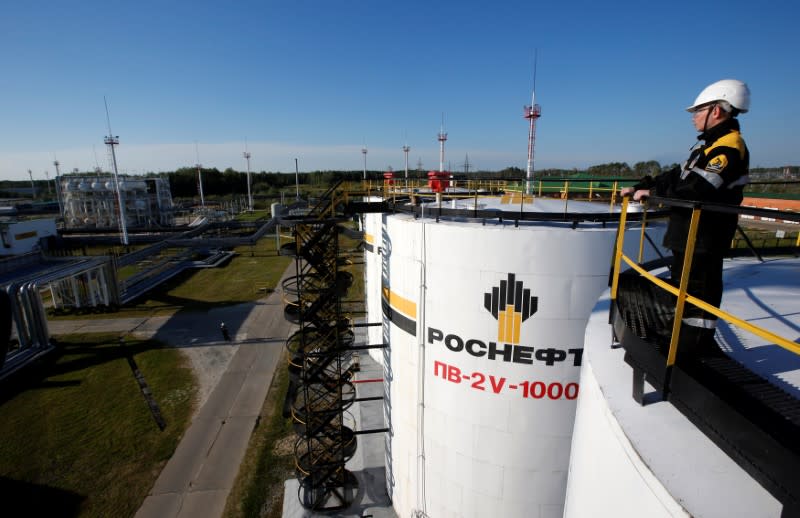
<point x="732" y="91"/>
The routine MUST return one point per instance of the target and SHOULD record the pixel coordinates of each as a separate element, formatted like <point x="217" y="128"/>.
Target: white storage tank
<point x="485" y="322"/>
<point x="373" y="260"/>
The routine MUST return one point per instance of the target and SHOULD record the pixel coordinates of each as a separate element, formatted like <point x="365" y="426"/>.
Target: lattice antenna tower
<point x="111" y="141"/>
<point x="532" y="112"/>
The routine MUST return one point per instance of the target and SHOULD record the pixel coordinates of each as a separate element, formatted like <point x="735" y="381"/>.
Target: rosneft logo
<point x="511" y="305"/>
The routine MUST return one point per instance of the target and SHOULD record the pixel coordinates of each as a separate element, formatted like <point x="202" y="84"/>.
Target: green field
<point x="78" y="436"/>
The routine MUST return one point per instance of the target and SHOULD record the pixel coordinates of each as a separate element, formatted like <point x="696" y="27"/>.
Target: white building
<point x="21" y="237"/>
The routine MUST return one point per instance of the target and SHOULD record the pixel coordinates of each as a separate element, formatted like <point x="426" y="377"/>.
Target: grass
<point x="765" y="238"/>
<point x="78" y="436"/>
<point x="253" y="216"/>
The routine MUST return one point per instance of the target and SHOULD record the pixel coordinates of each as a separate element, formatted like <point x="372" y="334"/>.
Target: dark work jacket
<point x="716" y="171"/>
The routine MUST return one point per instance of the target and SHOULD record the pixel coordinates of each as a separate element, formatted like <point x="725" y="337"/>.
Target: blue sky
<point x="318" y="80"/>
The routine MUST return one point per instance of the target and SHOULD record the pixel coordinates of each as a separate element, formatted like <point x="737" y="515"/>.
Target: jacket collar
<point x="723" y="128"/>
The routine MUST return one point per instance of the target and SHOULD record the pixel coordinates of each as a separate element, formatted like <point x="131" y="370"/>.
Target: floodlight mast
<point x="364" y="152"/>
<point x="442" y="138"/>
<point x="199" y="167"/>
<point x="33" y="187"/>
<point x="406" y="149"/>
<point x="112" y="141"/>
<point x="249" y="194"/>
<point x="56" y="163"/>
<point x="296" y="181"/>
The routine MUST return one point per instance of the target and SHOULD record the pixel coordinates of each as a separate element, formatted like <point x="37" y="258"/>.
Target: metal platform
<point x="745" y="413"/>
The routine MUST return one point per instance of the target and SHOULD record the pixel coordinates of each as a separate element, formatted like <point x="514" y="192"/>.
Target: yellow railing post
<point x="618" y="253"/>
<point x="613" y="195"/>
<point x="641" y="236"/>
<point x="685" y="272"/>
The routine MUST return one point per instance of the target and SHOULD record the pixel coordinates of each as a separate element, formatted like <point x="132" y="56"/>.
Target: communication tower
<point x="532" y="112"/>
<point x="249" y="195"/>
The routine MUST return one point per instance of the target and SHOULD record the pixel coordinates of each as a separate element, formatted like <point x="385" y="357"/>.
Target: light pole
<point x="296" y="181"/>
<point x="58" y="190"/>
<point x="249" y="195"/>
<point x="33" y="187"/>
<point x="364" y="152"/>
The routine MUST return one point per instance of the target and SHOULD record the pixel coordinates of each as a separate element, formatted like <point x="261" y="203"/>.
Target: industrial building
<point x="94" y="202"/>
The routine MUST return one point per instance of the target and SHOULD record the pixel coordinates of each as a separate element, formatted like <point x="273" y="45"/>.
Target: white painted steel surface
<point x="372" y="224"/>
<point x="470" y="435"/>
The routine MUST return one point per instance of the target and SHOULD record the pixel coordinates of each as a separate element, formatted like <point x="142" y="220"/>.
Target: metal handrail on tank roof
<point x="413" y="197"/>
<point x="681" y="292"/>
<point x="752" y="420"/>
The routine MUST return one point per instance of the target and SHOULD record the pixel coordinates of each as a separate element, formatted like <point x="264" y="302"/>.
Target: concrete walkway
<point x="197" y="479"/>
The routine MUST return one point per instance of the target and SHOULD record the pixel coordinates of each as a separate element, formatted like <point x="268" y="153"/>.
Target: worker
<point x="716" y="171"/>
<point x="224" y="329"/>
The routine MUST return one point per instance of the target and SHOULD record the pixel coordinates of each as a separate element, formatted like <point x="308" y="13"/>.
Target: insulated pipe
<point x="41" y="321"/>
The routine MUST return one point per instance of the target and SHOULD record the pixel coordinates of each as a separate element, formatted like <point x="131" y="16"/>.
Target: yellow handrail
<point x="681" y="294"/>
<point x="623" y="216"/>
<point x="723" y="315"/>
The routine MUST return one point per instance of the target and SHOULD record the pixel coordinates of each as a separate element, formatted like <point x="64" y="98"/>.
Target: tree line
<point x="184" y="182"/>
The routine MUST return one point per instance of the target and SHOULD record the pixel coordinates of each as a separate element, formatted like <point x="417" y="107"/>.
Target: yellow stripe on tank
<point x="401" y="304"/>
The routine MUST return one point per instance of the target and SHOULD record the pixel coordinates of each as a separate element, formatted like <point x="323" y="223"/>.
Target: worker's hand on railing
<point x="637" y="194"/>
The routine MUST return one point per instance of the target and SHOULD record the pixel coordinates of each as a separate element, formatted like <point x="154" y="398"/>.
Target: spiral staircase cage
<point x="320" y="387"/>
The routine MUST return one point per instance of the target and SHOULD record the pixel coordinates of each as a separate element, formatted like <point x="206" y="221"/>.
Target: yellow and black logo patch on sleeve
<point x="717" y="164"/>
